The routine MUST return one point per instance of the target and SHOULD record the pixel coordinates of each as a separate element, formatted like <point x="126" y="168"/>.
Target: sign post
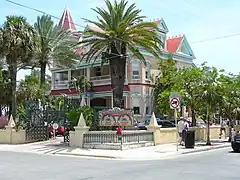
<point x="55" y="127"/>
<point x="174" y="102"/>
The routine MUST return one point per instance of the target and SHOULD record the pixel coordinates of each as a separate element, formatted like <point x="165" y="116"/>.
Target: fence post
<point x="121" y="136"/>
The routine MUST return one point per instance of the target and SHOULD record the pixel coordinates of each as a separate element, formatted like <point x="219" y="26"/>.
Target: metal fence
<point x="112" y="137"/>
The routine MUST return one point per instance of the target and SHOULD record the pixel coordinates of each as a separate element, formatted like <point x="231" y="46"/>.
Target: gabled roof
<point x="173" y="43"/>
<point x="67" y="22"/>
<point x="161" y="24"/>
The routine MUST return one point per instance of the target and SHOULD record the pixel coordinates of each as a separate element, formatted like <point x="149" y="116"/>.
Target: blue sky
<point x="197" y="19"/>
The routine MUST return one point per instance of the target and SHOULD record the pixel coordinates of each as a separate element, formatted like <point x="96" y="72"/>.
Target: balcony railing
<point x="101" y="80"/>
<point x="61" y="84"/>
<point x="97" y="81"/>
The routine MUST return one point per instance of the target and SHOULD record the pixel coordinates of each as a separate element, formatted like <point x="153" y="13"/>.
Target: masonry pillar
<point x="9" y="129"/>
<point x="155" y="128"/>
<point x="76" y="137"/>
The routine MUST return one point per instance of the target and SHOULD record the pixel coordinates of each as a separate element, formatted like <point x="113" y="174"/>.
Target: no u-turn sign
<point x="174" y="100"/>
<point x="174" y="103"/>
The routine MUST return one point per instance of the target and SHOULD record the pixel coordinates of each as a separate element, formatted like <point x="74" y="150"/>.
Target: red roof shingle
<point x="173" y="44"/>
<point x="66" y="21"/>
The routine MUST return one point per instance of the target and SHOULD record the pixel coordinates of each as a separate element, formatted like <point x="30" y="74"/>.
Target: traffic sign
<point x="174" y="103"/>
<point x="55" y="126"/>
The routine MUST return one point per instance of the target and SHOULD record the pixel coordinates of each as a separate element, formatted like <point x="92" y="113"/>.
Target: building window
<point x="136" y="105"/>
<point x="61" y="76"/>
<point x="147" y="110"/>
<point x="135" y="70"/>
<point x="98" y="71"/>
<point x="147" y="72"/>
<point x="162" y="37"/>
<point x="136" y="110"/>
<point x="77" y="73"/>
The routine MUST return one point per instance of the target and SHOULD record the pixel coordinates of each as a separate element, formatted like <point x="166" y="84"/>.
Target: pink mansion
<point x="138" y="91"/>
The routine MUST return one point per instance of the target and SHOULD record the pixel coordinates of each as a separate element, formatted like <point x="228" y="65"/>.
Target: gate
<point x="39" y="117"/>
<point x="36" y="125"/>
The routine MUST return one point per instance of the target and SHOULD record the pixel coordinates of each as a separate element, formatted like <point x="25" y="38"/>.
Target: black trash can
<point x="190" y="139"/>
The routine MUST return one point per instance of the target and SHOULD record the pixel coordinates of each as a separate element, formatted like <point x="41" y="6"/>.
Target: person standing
<point x="184" y="131"/>
<point x="223" y="129"/>
<point x="180" y="128"/>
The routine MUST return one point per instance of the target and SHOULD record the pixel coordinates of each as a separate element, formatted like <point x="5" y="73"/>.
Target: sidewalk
<point x="146" y="153"/>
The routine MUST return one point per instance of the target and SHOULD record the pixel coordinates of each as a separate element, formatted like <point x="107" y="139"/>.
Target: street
<point x="220" y="164"/>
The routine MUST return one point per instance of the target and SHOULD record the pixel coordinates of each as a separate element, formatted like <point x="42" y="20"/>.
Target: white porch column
<point x="126" y="104"/>
<point x="53" y="80"/>
<point x="88" y="78"/>
<point x="111" y="101"/>
<point x="69" y="75"/>
<point x="88" y="73"/>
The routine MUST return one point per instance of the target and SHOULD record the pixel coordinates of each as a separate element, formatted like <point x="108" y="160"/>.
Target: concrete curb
<point x="88" y="155"/>
<point x="207" y="149"/>
<point x="157" y="158"/>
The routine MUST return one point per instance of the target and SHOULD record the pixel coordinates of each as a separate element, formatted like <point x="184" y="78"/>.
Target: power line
<point x="194" y="42"/>
<point x="216" y="38"/>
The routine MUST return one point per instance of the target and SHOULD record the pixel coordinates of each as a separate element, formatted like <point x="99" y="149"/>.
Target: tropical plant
<point x="5" y="91"/>
<point x="165" y="85"/>
<point x="80" y="83"/>
<point x="17" y="45"/>
<point x="54" y="46"/>
<point x="210" y="94"/>
<point x="29" y="88"/>
<point x="119" y="32"/>
<point x="189" y="80"/>
<point x="74" y="115"/>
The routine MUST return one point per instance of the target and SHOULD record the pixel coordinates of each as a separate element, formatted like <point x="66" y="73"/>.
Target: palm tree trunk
<point x="1" y="110"/>
<point x="230" y="130"/>
<point x="43" y="66"/>
<point x="208" y="127"/>
<point x="13" y="73"/>
<point x="118" y="66"/>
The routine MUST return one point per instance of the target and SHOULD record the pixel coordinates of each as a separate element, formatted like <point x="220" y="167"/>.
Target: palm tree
<point x="119" y="33"/>
<point x="210" y="94"/>
<point x="17" y="45"/>
<point x="54" y="46"/>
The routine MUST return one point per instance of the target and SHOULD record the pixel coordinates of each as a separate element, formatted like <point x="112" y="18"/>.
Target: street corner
<point x="205" y="149"/>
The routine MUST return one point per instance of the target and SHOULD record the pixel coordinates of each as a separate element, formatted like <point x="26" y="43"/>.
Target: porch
<point x="97" y="75"/>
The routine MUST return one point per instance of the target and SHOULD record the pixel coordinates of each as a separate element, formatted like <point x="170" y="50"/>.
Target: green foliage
<point x="30" y="89"/>
<point x="81" y="83"/>
<point x="165" y="85"/>
<point x="205" y="89"/>
<point x="53" y="46"/>
<point x="17" y="45"/>
<point x="73" y="116"/>
<point x="119" y="29"/>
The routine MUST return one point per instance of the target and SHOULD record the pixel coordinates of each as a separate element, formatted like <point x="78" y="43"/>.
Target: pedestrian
<point x="184" y="131"/>
<point x="223" y="129"/>
<point x="180" y="128"/>
<point x="119" y="133"/>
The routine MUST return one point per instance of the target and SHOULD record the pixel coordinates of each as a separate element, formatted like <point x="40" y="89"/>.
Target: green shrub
<point x="73" y="116"/>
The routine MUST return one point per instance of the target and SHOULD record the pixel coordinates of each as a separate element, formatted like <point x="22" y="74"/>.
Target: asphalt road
<point x="221" y="164"/>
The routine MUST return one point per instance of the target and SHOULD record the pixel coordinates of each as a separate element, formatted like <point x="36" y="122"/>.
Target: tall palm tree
<point x="210" y="94"/>
<point x="17" y="45"/>
<point x="120" y="32"/>
<point x="54" y="46"/>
